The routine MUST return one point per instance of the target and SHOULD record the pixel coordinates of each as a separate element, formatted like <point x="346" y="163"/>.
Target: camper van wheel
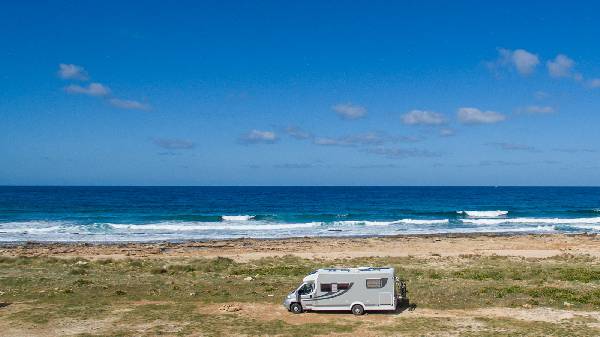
<point x="358" y="309"/>
<point x="296" y="308"/>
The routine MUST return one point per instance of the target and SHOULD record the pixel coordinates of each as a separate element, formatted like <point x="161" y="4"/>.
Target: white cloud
<point x="72" y="72"/>
<point x="423" y="117"/>
<point x="363" y="139"/>
<point x="396" y="153"/>
<point x="258" y="136"/>
<point x="298" y="133"/>
<point x="446" y="132"/>
<point x="524" y="61"/>
<point x="128" y="104"/>
<point x="520" y="59"/>
<point x="476" y="116"/>
<point x="513" y="147"/>
<point x="173" y="143"/>
<point x="562" y="66"/>
<point x="370" y="138"/>
<point x="93" y="89"/>
<point x="327" y="141"/>
<point x="537" y="109"/>
<point x="349" y="111"/>
<point x="75" y="72"/>
<point x="540" y="95"/>
<point x="594" y="83"/>
<point x="576" y="150"/>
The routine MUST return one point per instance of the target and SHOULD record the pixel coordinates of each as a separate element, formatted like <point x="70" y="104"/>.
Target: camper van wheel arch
<point x="296" y="308"/>
<point x="358" y="309"/>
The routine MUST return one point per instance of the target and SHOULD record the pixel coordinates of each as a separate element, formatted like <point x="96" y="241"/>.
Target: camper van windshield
<point x="305" y="289"/>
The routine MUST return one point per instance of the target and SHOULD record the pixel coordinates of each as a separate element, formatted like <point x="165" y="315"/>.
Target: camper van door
<point x="306" y="293"/>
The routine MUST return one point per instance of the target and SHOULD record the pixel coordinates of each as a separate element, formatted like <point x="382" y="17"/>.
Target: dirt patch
<point x="534" y="314"/>
<point x="265" y="311"/>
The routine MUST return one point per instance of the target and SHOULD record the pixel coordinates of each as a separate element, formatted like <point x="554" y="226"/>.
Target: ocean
<point x="133" y="214"/>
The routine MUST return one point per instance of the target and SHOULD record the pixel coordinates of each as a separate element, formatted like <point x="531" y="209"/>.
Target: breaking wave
<point x="182" y="226"/>
<point x="237" y="217"/>
<point x="551" y="221"/>
<point x="31" y="227"/>
<point x="483" y="214"/>
<point x="388" y="223"/>
<point x="240" y="227"/>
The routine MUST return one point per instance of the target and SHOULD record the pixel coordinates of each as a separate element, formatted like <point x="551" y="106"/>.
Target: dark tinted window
<point x="306" y="289"/>
<point x="334" y="287"/>
<point x="343" y="286"/>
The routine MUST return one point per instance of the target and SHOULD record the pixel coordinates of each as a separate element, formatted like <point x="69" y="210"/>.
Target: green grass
<point x="56" y="289"/>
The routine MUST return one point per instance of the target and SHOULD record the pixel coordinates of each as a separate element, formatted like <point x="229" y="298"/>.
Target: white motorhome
<point x="356" y="289"/>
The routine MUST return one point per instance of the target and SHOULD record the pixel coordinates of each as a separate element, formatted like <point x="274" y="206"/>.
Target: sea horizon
<point x="292" y="185"/>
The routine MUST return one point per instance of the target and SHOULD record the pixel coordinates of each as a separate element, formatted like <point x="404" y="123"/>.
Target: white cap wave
<point x="195" y="226"/>
<point x="387" y="223"/>
<point x="237" y="217"/>
<point x="483" y="214"/>
<point x="550" y="221"/>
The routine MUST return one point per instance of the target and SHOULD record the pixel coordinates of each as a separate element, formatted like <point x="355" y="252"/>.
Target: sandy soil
<point x="537" y="246"/>
<point x="462" y="320"/>
<point x="265" y="311"/>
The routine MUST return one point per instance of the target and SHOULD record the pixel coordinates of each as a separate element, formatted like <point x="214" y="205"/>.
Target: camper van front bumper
<point x="287" y="302"/>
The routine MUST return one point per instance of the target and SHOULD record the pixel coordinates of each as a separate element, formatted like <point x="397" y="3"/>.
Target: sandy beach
<point x="460" y="285"/>
<point x="533" y="246"/>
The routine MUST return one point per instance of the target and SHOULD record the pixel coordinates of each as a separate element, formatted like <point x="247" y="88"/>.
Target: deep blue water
<point x="179" y="213"/>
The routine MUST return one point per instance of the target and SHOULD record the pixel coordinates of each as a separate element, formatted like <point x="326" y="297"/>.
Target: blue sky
<point x="313" y="93"/>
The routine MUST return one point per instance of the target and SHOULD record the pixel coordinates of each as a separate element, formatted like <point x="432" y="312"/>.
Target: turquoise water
<point x="108" y="214"/>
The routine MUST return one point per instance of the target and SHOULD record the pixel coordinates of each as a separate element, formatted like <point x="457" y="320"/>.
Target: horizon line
<point x="492" y="186"/>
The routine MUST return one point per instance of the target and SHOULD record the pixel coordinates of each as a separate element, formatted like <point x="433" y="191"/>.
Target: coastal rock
<point x="230" y="308"/>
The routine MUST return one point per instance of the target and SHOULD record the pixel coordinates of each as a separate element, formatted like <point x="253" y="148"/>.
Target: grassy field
<point x="466" y="295"/>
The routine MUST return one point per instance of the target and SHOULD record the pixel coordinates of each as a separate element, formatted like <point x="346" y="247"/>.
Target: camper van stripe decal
<point x="329" y="295"/>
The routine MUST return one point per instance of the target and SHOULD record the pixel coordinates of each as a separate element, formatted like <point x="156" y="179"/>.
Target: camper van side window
<point x="334" y="287"/>
<point x="326" y="287"/>
<point x="376" y="282"/>
<point x="343" y="286"/>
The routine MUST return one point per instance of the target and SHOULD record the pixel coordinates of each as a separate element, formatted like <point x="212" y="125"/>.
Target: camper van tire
<point x="358" y="309"/>
<point x="296" y="308"/>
